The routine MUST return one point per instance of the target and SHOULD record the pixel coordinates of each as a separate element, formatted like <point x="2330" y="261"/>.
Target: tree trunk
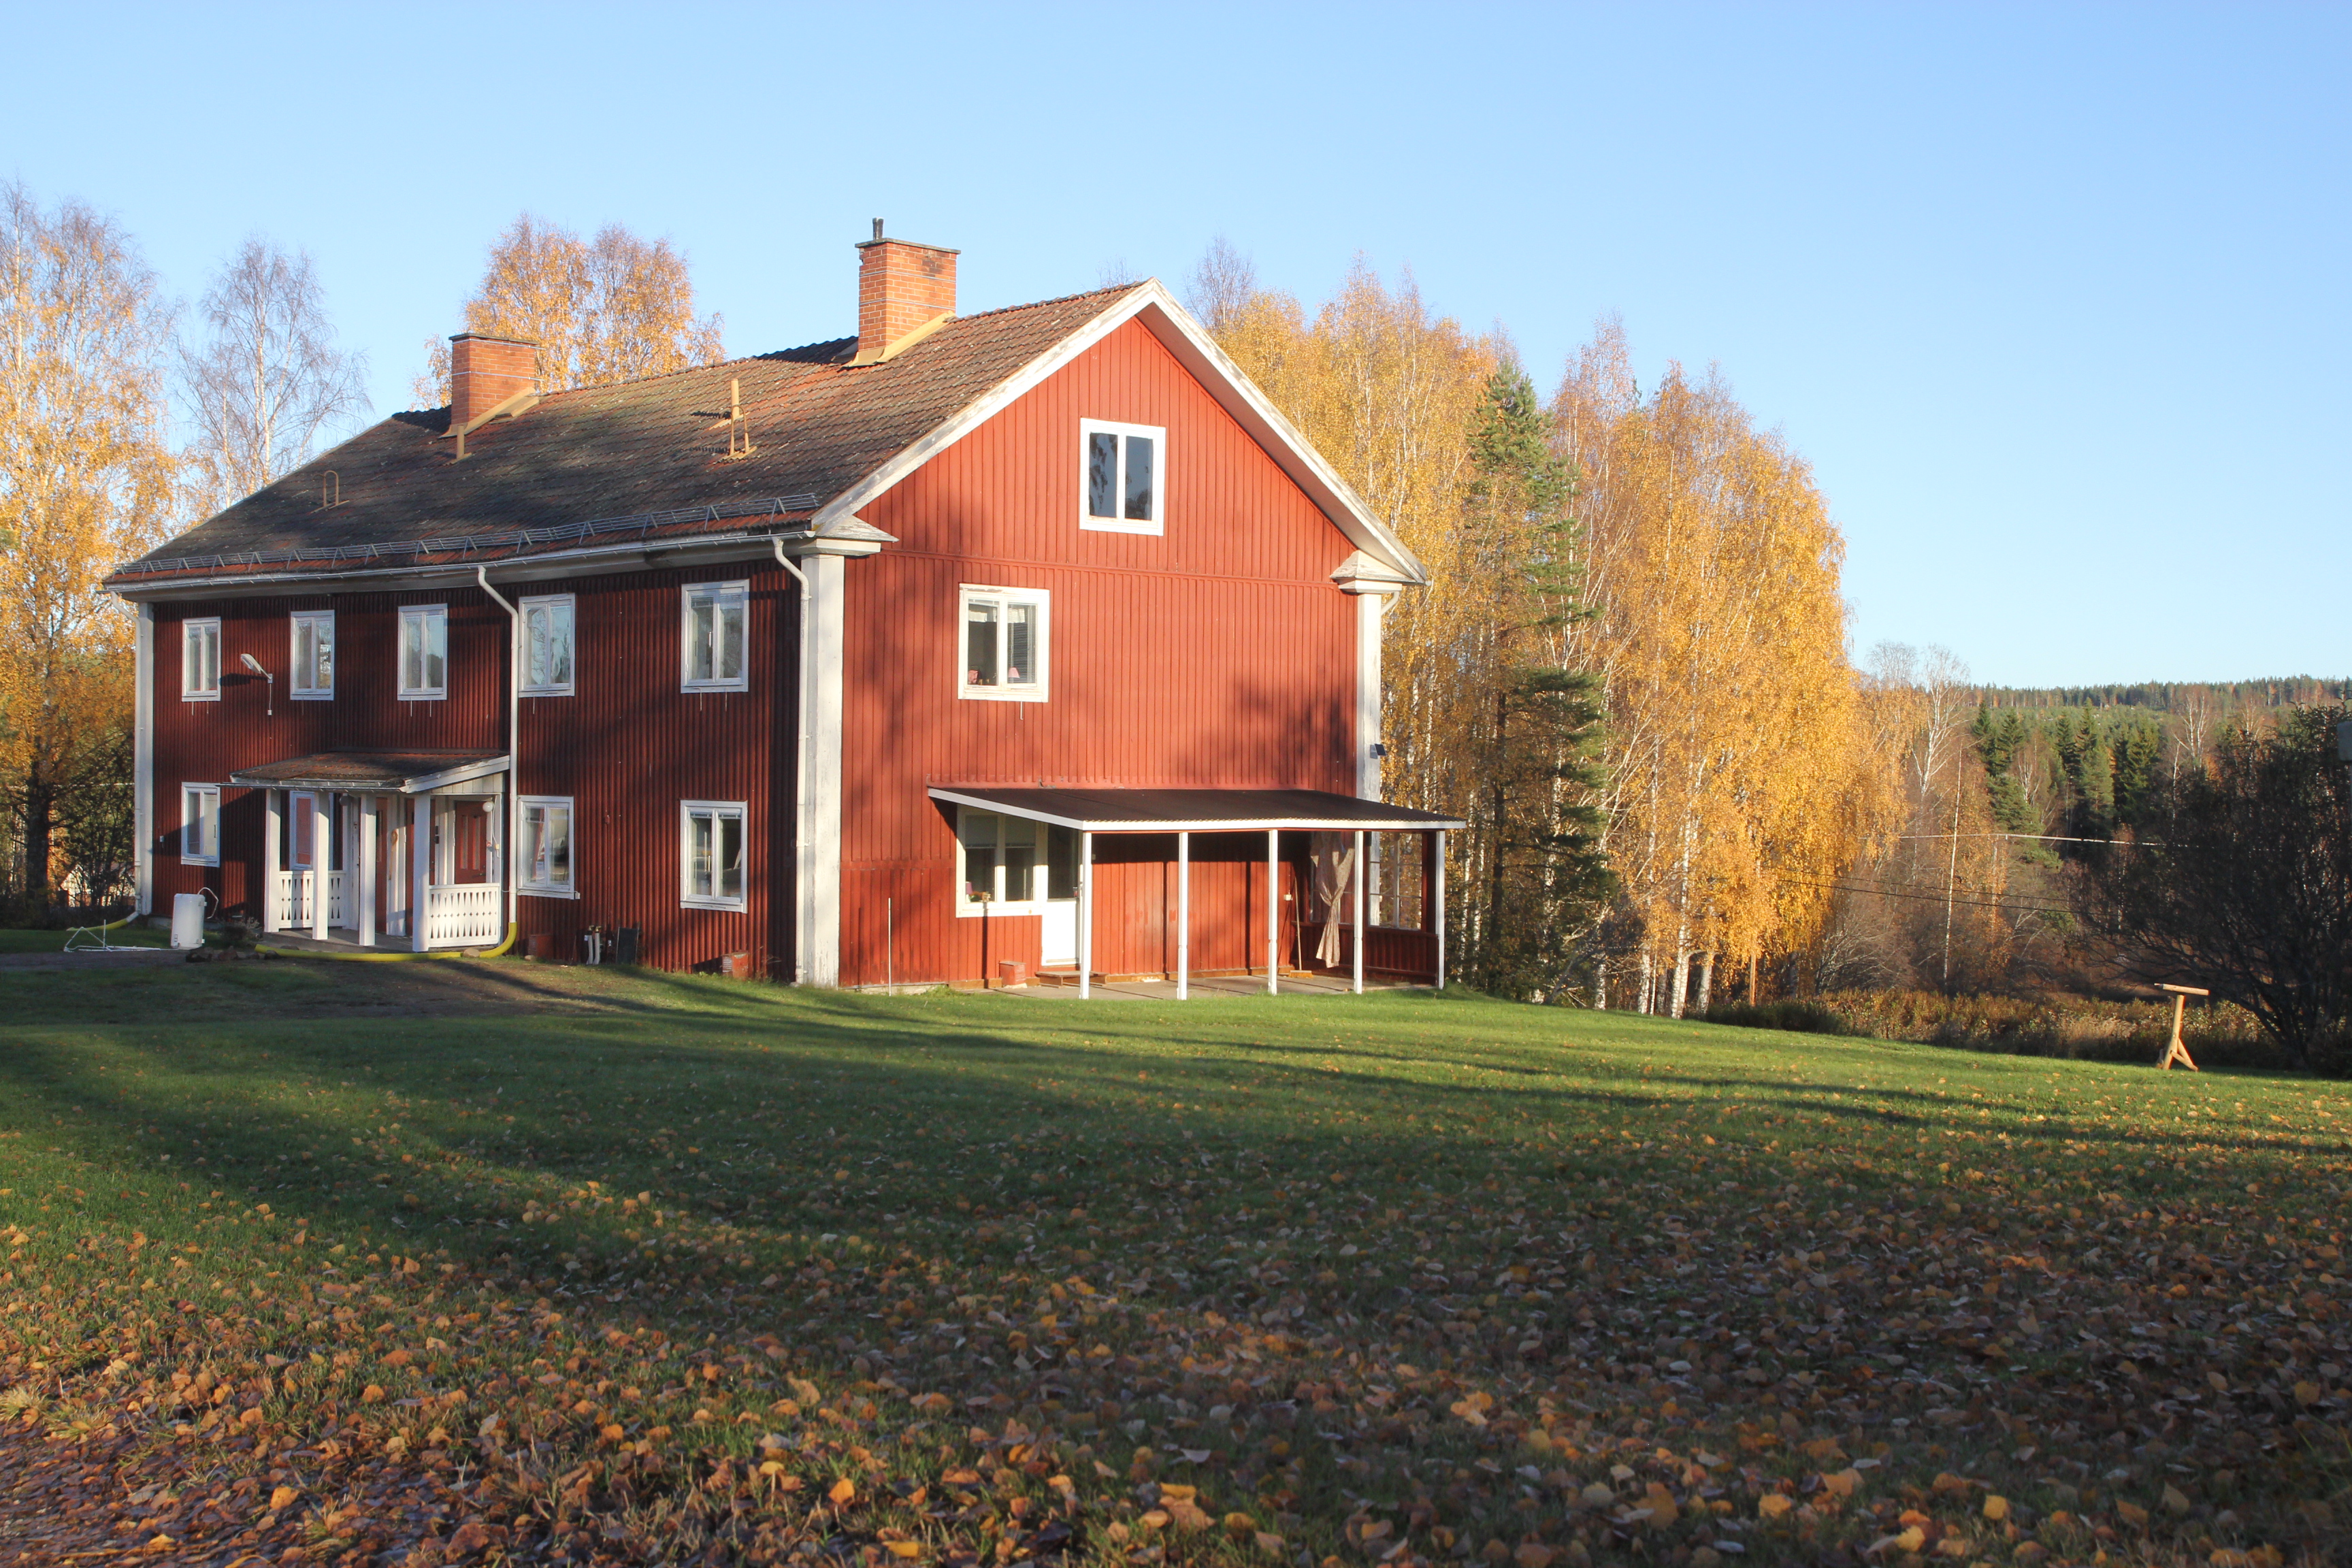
<point x="1681" y="991"/>
<point x="40" y="810"/>
<point x="1755" y="958"/>
<point x="1494" y="832"/>
<point x="1706" y="980"/>
<point x="1642" y="996"/>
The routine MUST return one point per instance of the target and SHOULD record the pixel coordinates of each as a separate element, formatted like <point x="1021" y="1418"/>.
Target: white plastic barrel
<point x="187" y="919"/>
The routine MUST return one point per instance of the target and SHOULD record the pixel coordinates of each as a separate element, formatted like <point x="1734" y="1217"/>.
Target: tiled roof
<point x="641" y="456"/>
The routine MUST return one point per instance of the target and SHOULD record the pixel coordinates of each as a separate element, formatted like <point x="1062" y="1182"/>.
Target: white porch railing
<point x="294" y="894"/>
<point x="468" y="914"/>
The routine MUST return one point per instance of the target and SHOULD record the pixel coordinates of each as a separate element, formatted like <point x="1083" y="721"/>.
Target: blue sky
<point x="2054" y="299"/>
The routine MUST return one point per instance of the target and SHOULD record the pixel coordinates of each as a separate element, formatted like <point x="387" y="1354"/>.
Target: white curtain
<point x="1335" y="862"/>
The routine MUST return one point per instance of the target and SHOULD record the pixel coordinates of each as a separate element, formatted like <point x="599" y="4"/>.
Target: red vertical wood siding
<point x="1216" y="654"/>
<point x="205" y="742"/>
<point x="628" y="746"/>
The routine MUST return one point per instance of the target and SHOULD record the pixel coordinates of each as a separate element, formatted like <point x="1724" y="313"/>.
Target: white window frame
<point x="295" y="687"/>
<point x="716" y="810"/>
<point x="204" y="821"/>
<point x="521" y="858"/>
<point x="569" y="605"/>
<point x="1158" y="434"/>
<point x="192" y="687"/>
<point x="1042" y="601"/>
<point x="423" y="616"/>
<point x="740" y="593"/>
<point x="969" y="908"/>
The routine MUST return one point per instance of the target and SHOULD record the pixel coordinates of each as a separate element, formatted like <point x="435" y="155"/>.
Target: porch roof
<point x="1194" y="810"/>
<point x="405" y="772"/>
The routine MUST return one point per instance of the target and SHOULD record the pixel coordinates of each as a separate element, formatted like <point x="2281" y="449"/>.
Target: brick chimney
<point x="900" y="285"/>
<point x="484" y="371"/>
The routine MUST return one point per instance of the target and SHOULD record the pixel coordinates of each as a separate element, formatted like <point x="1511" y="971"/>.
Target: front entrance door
<point x="1059" y="948"/>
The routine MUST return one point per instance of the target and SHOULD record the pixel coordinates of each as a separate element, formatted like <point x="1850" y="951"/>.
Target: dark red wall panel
<point x="1217" y="654"/>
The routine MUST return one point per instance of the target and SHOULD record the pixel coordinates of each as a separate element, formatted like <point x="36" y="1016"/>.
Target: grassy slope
<point x="1343" y="1265"/>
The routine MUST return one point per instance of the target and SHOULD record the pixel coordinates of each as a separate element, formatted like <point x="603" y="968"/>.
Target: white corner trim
<point x="819" y="925"/>
<point x="1371" y="606"/>
<point x="142" y="752"/>
<point x="1174" y="327"/>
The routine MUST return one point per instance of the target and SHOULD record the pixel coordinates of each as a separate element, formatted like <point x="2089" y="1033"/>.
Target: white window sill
<point x="424" y="696"/>
<point x="546" y="691"/>
<point x="192" y="860"/>
<point x="997" y="911"/>
<point x="529" y="891"/>
<point x="997" y="694"/>
<point x="199" y="696"/>
<point x="695" y="688"/>
<point x="1092" y="524"/>
<point x="735" y="905"/>
<point x="311" y="697"/>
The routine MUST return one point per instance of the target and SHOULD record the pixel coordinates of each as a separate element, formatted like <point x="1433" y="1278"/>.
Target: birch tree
<point x="614" y="308"/>
<point x="267" y="380"/>
<point x="86" y="481"/>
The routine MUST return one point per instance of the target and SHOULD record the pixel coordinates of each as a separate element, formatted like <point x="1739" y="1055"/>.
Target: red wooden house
<point x="1031" y="637"/>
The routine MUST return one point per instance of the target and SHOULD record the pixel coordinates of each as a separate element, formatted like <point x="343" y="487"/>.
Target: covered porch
<point x="402" y="850"/>
<point x="1330" y="840"/>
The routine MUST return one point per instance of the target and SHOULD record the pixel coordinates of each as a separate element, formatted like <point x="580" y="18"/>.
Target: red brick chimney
<point x="900" y="285"/>
<point x="484" y="371"/>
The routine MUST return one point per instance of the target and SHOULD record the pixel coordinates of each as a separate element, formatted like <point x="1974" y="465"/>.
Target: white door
<point x="1060" y="944"/>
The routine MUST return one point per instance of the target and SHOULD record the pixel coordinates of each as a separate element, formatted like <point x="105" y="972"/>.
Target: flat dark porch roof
<point x="1195" y="810"/>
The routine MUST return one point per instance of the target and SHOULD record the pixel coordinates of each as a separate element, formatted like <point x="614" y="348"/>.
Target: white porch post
<point x="323" y="859"/>
<point x="271" y="840"/>
<point x="1183" y="915"/>
<point x="1440" y="879"/>
<point x="420" y="843"/>
<point x="366" y="921"/>
<point x="1086" y="914"/>
<point x="1274" y="911"/>
<point x="1359" y="912"/>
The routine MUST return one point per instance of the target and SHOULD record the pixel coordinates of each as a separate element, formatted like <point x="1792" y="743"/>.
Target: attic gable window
<point x="1122" y="473"/>
<point x="200" y="659"/>
<point x="424" y="652"/>
<point x="314" y="655"/>
<point x="714" y="627"/>
<point x="1004" y="634"/>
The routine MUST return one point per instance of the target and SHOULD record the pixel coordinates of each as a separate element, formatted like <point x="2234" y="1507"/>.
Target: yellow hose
<point x="498" y="952"/>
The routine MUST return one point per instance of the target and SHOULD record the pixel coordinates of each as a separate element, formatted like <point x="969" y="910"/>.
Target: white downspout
<point x="514" y="746"/>
<point x="803" y="852"/>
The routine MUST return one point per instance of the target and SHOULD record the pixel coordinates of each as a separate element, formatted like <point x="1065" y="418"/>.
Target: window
<point x="200" y="825"/>
<point x="710" y="853"/>
<point x="1004" y="632"/>
<point x="314" y="654"/>
<point x="1001" y="870"/>
<point x="200" y="660"/>
<point x="1394" y="884"/>
<point x="714" y="637"/>
<point x="424" y="652"/>
<point x="547" y="646"/>
<point x="302" y="823"/>
<point x="1121" y="469"/>
<point x="543" y="863"/>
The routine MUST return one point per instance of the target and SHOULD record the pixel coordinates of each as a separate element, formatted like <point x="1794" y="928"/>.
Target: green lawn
<point x="13" y="940"/>
<point x="587" y="1265"/>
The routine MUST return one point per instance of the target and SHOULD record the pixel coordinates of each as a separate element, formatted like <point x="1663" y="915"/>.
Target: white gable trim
<point x="1185" y="338"/>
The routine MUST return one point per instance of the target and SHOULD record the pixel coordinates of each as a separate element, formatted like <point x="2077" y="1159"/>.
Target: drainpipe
<point x="514" y="745"/>
<point x="803" y="867"/>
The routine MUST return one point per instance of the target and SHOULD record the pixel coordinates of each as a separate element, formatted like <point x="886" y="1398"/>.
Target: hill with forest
<point x="2174" y="697"/>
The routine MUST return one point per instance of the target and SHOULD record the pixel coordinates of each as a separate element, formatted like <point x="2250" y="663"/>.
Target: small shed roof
<point x="408" y="772"/>
<point x="1194" y="810"/>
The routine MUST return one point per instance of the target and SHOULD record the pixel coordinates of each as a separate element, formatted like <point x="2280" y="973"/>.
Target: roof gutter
<point x="206" y="585"/>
